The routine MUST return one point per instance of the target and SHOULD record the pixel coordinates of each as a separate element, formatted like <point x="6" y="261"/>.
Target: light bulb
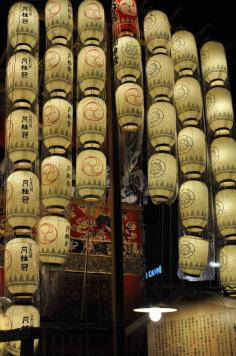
<point x="155" y="314"/>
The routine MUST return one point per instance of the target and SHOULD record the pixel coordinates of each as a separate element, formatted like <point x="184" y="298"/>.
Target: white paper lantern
<point x="226" y="213"/>
<point x="91" y="22"/>
<point x="57" y="125"/>
<point x="228" y="269"/>
<point x="59" y="21"/>
<point x="59" y="70"/>
<point x="23" y="26"/>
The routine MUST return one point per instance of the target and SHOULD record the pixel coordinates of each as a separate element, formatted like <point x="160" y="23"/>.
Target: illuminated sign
<point x="153" y="272"/>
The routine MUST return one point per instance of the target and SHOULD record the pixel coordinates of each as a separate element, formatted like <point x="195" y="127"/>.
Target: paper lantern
<point x="59" y="70"/>
<point x="162" y="178"/>
<point x="22" y="266"/>
<point x="22" y="137"/>
<point x="91" y="175"/>
<point x="223" y="161"/>
<point x="20" y="316"/>
<point x="162" y="126"/>
<point x="91" y="22"/>
<point x="194" y="204"/>
<point x="226" y="213"/>
<point x="192" y="152"/>
<point x="2" y="328"/>
<point x="56" y="183"/>
<point x="124" y="18"/>
<point x="184" y="52"/>
<point x="193" y="255"/>
<point x="160" y="77"/>
<point x="23" y="26"/>
<point x="57" y="125"/>
<point x="53" y="239"/>
<point x="188" y="100"/>
<point x="91" y="70"/>
<point x="22" y="201"/>
<point x="129" y="106"/>
<point x="157" y="32"/>
<point x="59" y="21"/>
<point x="127" y="59"/>
<point x="213" y="63"/>
<point x="219" y="110"/>
<point x="91" y="121"/>
<point x="228" y="269"/>
<point x="22" y="79"/>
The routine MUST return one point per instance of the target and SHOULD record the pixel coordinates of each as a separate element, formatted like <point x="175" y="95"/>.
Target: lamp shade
<point x="228" y="269"/>
<point x="129" y="106"/>
<point x="22" y="137"/>
<point x="193" y="255"/>
<point x="59" y="21"/>
<point x="22" y="79"/>
<point x="160" y="77"/>
<point x="162" y="178"/>
<point x="53" y="239"/>
<point x="91" y="22"/>
<point x="91" y="175"/>
<point x="22" y="201"/>
<point x="226" y="213"/>
<point x="192" y="152"/>
<point x="184" y="52"/>
<point x="59" y="70"/>
<point x="162" y="126"/>
<point x="91" y="121"/>
<point x="23" y="26"/>
<point x="188" y="100"/>
<point x="219" y="110"/>
<point x="124" y="18"/>
<point x="57" y="125"/>
<point x="194" y="205"/>
<point x="213" y="63"/>
<point x="22" y="266"/>
<point x="19" y="316"/>
<point x="56" y="183"/>
<point x="127" y="59"/>
<point x="223" y="161"/>
<point x="91" y="70"/>
<point x="157" y="32"/>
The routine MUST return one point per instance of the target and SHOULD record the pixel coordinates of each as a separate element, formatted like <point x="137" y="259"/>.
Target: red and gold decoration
<point x="124" y="18"/>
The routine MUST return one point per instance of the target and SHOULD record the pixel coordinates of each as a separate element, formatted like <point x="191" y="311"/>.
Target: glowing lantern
<point x="184" y="52"/>
<point x="22" y="202"/>
<point x="57" y="125"/>
<point x="162" y="126"/>
<point x="91" y="121"/>
<point x="56" y="180"/>
<point x="59" y="70"/>
<point x="193" y="255"/>
<point x="22" y="79"/>
<point x="162" y="178"/>
<point x="219" y="110"/>
<point x="192" y="152"/>
<point x="21" y="137"/>
<point x="23" y="26"/>
<point x="53" y="239"/>
<point x="226" y="213"/>
<point x="188" y="100"/>
<point x="160" y="77"/>
<point x="127" y="59"/>
<point x="124" y="18"/>
<point x="59" y="21"/>
<point x="91" y="22"/>
<point x="213" y="63"/>
<point x="223" y="161"/>
<point x="194" y="205"/>
<point x="228" y="269"/>
<point x="91" y="70"/>
<point x="22" y="266"/>
<point x="91" y="175"/>
<point x="129" y="106"/>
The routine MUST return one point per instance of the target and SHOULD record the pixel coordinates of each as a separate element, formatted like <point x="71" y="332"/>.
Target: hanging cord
<point x="162" y="212"/>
